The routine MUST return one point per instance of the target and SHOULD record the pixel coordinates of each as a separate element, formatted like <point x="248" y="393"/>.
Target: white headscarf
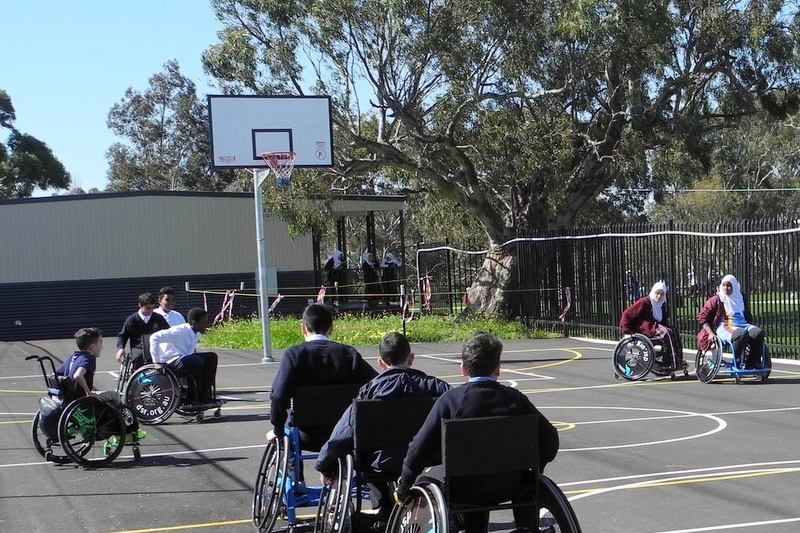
<point x="390" y="259"/>
<point x="337" y="258"/>
<point x="658" y="313"/>
<point x="735" y="302"/>
<point x="367" y="258"/>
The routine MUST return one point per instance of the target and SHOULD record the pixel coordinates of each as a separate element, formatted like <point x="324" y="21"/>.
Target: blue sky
<point x="64" y="64"/>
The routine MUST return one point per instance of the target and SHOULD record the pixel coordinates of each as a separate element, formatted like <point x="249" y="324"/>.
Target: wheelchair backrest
<point x="490" y="445"/>
<point x="388" y="423"/>
<point x="321" y="405"/>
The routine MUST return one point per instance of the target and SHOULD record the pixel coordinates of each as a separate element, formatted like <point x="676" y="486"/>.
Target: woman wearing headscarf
<point x="390" y="275"/>
<point x="335" y="267"/>
<point x="726" y="316"/>
<point x="649" y="316"/>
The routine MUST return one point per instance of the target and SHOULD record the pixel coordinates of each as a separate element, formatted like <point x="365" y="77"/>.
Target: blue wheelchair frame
<point x="708" y="363"/>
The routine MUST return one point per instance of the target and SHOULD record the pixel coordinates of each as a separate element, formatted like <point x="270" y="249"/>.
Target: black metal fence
<point x="579" y="282"/>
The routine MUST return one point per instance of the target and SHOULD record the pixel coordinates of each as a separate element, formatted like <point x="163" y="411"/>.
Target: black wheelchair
<point x="378" y="425"/>
<point x="478" y="447"/>
<point x="636" y="355"/>
<point x="89" y="430"/>
<point x="720" y="357"/>
<point x="155" y="392"/>
<point x="280" y="488"/>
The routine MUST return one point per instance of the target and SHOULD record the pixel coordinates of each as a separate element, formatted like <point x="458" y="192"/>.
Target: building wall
<point x="106" y="236"/>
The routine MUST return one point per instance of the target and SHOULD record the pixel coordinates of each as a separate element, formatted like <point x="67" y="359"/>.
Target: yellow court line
<point x="186" y="526"/>
<point x="12" y="391"/>
<point x="578" y="355"/>
<point x="16" y="422"/>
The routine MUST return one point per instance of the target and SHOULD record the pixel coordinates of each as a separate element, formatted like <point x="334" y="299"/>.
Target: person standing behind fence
<point x="631" y="286"/>
<point x="335" y="268"/>
<point x="390" y="275"/>
<point x="726" y="316"/>
<point x="649" y="316"/>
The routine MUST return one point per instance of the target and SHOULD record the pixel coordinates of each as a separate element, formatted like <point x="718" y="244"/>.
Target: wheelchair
<point x="155" y="392"/>
<point x="720" y="357"/>
<point x="635" y="357"/>
<point x="90" y="431"/>
<point x="378" y="425"/>
<point x="280" y="489"/>
<point x="429" y="505"/>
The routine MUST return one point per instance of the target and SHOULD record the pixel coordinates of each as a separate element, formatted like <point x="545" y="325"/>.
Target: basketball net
<point x="281" y="164"/>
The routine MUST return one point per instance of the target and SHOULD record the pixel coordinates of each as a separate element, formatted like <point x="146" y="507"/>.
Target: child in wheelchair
<point x="177" y="347"/>
<point x="650" y="316"/>
<point x="481" y="396"/>
<point x="726" y="317"/>
<point x="397" y="380"/>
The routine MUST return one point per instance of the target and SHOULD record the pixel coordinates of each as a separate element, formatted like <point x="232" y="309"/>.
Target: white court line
<point x="740" y="525"/>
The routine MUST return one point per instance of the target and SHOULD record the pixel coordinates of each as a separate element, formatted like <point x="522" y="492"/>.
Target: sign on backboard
<point x="244" y="127"/>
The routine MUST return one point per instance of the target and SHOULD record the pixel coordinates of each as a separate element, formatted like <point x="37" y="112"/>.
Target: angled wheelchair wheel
<point x="423" y="510"/>
<point x="153" y="394"/>
<point x="555" y="512"/>
<point x="91" y="431"/>
<point x="270" y="483"/>
<point x="766" y="364"/>
<point x="707" y="363"/>
<point x="49" y="449"/>
<point x="335" y="509"/>
<point x="125" y="371"/>
<point x="633" y="357"/>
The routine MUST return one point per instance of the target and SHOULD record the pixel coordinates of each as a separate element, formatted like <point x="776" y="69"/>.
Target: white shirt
<point x="174" y="318"/>
<point x="173" y="343"/>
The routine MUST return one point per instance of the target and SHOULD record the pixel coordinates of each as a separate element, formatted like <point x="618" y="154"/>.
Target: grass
<point x="362" y="330"/>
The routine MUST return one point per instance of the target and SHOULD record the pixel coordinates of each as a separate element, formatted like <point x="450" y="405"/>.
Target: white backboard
<point x="243" y="127"/>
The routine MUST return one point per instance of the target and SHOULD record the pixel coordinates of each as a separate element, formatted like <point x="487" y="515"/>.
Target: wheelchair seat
<point x="477" y="452"/>
<point x="379" y="425"/>
<point x="280" y="488"/>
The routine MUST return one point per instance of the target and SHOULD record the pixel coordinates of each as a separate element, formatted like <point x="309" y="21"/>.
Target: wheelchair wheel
<point x="186" y="387"/>
<point x="125" y="371"/>
<point x="422" y="510"/>
<point x="270" y="483"/>
<point x="91" y="431"/>
<point x="766" y="364"/>
<point x="633" y="357"/>
<point x="152" y="394"/>
<point x="555" y="512"/>
<point x="46" y="448"/>
<point x="335" y="510"/>
<point x="707" y="363"/>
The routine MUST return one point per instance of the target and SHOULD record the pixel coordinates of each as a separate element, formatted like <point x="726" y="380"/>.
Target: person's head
<point x="166" y="299"/>
<point x="481" y="356"/>
<point x="317" y="320"/>
<point x="395" y="351"/>
<point x="89" y="340"/>
<point x="658" y="294"/>
<point x="147" y="302"/>
<point x="197" y="318"/>
<point x="729" y="285"/>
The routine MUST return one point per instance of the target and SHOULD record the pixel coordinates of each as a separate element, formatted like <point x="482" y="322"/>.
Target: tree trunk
<point x="493" y="293"/>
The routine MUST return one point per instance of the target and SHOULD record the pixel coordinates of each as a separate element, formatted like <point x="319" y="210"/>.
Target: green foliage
<point x="166" y="129"/>
<point x="26" y="162"/>
<point x="360" y="331"/>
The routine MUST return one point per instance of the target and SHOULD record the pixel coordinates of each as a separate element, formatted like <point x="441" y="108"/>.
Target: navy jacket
<point x="395" y="382"/>
<point x="318" y="362"/>
<point x="134" y="327"/>
<point x="472" y="400"/>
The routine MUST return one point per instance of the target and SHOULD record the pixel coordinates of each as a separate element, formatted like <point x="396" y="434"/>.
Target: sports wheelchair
<point x="90" y="431"/>
<point x="720" y="356"/>
<point x="378" y="425"/>
<point x="280" y="488"/>
<point x="476" y="447"/>
<point x="635" y="356"/>
<point x="155" y="392"/>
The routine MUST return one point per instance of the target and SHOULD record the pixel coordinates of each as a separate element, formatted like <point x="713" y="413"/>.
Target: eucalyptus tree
<point x="26" y="162"/>
<point x="166" y="143"/>
<point x="525" y="114"/>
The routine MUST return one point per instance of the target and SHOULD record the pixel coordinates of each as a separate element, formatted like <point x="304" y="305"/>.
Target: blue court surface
<point x="654" y="456"/>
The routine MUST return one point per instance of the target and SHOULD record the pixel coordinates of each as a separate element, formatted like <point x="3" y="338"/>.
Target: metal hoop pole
<point x="261" y="240"/>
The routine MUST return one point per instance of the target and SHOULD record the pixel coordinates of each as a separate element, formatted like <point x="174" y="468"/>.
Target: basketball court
<point x="655" y="456"/>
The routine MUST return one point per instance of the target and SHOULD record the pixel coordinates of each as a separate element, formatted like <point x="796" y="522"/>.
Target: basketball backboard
<point x="244" y="127"/>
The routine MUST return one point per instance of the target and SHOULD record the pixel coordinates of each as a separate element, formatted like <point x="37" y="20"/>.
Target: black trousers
<point x="754" y="338"/>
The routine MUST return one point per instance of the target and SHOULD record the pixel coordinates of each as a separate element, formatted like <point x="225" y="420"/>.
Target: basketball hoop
<point x="282" y="164"/>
